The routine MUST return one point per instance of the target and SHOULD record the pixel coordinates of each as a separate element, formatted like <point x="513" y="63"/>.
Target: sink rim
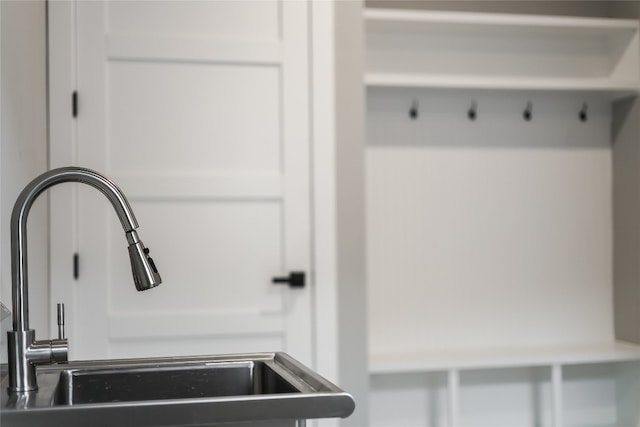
<point x="316" y="397"/>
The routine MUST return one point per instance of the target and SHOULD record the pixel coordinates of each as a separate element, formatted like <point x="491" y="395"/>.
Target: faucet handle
<point x="60" y="309"/>
<point x="59" y="347"/>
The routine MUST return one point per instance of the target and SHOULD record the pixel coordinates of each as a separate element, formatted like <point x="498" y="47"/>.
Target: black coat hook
<point x="583" y="112"/>
<point x="472" y="113"/>
<point x="413" y="111"/>
<point x="528" y="112"/>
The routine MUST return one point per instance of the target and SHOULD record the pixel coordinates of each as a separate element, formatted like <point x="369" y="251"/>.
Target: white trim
<point x="200" y="186"/>
<point x="62" y="152"/>
<point x="453" y="381"/>
<point x="556" y="393"/>
<point x="504" y="358"/>
<point x="267" y="52"/>
<point x="611" y="88"/>
<point x="254" y="323"/>
<point x="387" y="19"/>
<point x="323" y="188"/>
<point x="296" y="140"/>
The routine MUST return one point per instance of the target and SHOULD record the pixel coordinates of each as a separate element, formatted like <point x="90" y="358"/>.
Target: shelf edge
<point x="506" y="358"/>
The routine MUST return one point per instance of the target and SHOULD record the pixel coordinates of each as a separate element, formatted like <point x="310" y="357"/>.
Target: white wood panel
<point x="160" y="115"/>
<point x="465" y="216"/>
<point x="190" y="185"/>
<point x="173" y="325"/>
<point x="214" y="258"/>
<point x="193" y="49"/>
<point x="443" y="276"/>
<point x="247" y="19"/>
<point x="203" y="345"/>
<point x="491" y="54"/>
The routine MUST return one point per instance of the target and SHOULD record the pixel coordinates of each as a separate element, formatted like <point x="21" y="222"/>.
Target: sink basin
<point x="180" y="381"/>
<point x="248" y="389"/>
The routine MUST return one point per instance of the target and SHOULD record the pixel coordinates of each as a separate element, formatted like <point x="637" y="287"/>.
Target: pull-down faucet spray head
<point x="145" y="273"/>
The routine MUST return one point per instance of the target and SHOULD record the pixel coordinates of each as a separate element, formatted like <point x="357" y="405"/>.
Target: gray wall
<point x="626" y="194"/>
<point x="23" y="145"/>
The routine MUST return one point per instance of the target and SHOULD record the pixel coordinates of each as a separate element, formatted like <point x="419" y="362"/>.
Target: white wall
<point x="23" y="150"/>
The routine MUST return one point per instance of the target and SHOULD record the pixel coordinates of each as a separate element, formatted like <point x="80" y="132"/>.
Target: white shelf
<point x="499" y="51"/>
<point x="606" y="87"/>
<point x="503" y="358"/>
<point x="392" y="20"/>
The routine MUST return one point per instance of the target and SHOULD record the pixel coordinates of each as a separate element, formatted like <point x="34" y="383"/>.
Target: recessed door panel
<point x="219" y="18"/>
<point x="215" y="258"/>
<point x="188" y="118"/>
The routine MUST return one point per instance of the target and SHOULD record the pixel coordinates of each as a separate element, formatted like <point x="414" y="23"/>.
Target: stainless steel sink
<point x="247" y="389"/>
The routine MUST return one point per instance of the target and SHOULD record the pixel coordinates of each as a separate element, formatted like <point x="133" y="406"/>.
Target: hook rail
<point x="472" y="111"/>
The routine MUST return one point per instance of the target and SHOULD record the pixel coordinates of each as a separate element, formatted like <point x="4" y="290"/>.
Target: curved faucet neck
<point x="19" y="226"/>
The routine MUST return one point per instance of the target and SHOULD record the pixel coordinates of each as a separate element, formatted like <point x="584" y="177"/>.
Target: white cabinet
<point x="490" y="234"/>
<point x="569" y="386"/>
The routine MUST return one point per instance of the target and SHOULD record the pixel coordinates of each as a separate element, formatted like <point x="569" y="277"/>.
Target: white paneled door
<point x="198" y="110"/>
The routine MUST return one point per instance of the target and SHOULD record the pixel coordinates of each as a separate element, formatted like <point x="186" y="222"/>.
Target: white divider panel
<point x="556" y="394"/>
<point x="492" y="233"/>
<point x="409" y="400"/>
<point x="453" y="379"/>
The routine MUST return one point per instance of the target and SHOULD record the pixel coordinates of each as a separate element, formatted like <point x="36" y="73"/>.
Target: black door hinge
<point x="74" y="104"/>
<point x="76" y="266"/>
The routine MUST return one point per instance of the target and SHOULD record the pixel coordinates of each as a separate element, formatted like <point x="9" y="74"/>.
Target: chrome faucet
<point x="24" y="351"/>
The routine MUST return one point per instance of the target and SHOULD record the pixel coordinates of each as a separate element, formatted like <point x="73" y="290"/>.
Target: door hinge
<point x="76" y="266"/>
<point x="74" y="104"/>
